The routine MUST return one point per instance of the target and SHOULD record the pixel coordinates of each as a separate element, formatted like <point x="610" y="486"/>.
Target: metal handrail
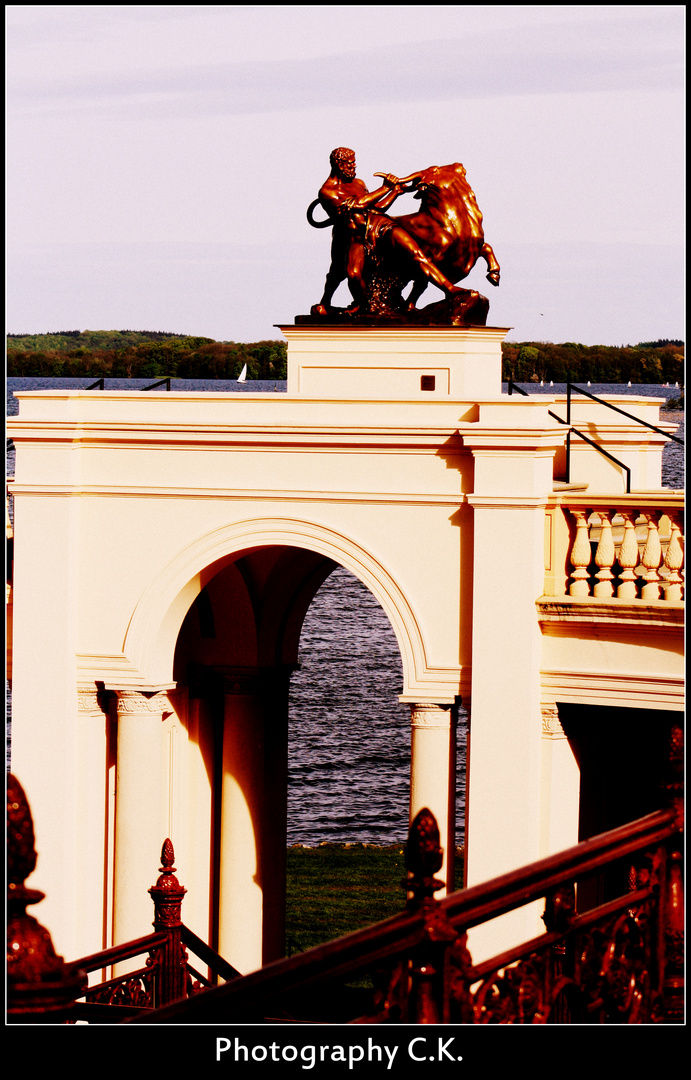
<point x="570" y="387"/>
<point x="100" y="384"/>
<point x="118" y="953"/>
<point x="159" y="383"/>
<point x="358" y="952"/>
<point x="475" y="905"/>
<point x="615" y="408"/>
<point x="600" y="450"/>
<point x="513" y="386"/>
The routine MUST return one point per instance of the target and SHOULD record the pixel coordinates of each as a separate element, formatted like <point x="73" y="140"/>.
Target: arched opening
<point x="349" y="737"/>
<point x="349" y="768"/>
<point x="223" y="623"/>
<point x="235" y="651"/>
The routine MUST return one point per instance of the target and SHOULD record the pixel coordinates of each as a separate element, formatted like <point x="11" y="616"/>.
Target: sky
<point x="160" y="159"/>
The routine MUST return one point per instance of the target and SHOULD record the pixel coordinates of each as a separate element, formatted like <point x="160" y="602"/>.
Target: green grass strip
<point x="334" y="889"/>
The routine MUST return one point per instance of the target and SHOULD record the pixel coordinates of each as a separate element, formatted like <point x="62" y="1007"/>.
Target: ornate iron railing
<point x="42" y="988"/>
<point x="621" y="962"/>
<point x="167" y="974"/>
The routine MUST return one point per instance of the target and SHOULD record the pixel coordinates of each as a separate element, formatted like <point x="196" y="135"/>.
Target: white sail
<point x="243" y="374"/>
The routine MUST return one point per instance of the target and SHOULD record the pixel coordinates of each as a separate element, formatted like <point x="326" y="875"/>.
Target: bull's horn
<point x="402" y="179"/>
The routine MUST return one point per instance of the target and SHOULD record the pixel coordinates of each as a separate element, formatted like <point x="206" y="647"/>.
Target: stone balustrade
<point x="623" y="547"/>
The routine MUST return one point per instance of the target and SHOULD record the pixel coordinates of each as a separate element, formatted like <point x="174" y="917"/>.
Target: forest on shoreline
<point x="156" y="354"/>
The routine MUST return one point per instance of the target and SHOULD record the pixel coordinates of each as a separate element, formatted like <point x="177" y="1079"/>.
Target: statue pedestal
<point x="394" y="363"/>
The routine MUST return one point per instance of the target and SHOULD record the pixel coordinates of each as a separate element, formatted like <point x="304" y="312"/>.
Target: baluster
<point x="580" y="556"/>
<point x="674" y="560"/>
<point x="651" y="558"/>
<point x="628" y="557"/>
<point x="604" y="556"/>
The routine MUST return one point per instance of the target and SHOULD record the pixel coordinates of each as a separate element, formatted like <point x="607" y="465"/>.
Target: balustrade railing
<point x="627" y="547"/>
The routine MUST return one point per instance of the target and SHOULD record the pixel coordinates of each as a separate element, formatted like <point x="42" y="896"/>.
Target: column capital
<point x="92" y="700"/>
<point x="551" y="724"/>
<point x="152" y="702"/>
<point x="430" y="715"/>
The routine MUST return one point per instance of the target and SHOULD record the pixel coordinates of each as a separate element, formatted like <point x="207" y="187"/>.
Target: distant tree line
<point x="130" y="354"/>
<point x="155" y="354"/>
<point x="649" y="362"/>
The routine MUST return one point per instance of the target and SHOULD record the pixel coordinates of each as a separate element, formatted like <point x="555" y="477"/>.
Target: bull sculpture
<point x="380" y="254"/>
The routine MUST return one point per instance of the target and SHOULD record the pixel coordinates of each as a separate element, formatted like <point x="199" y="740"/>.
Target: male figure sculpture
<point x="361" y="229"/>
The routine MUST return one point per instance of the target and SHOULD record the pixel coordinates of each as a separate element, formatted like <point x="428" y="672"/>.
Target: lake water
<point x="349" y="744"/>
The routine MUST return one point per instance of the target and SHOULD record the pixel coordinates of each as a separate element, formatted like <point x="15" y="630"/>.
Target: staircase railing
<point x="620" y="962"/>
<point x="42" y="988"/>
<point x="167" y="974"/>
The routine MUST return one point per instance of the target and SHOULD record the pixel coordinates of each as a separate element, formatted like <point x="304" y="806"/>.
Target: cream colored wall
<point x="387" y="363"/>
<point x="377" y="499"/>
<point x="631" y="655"/>
<point x="123" y="509"/>
<point x="126" y="504"/>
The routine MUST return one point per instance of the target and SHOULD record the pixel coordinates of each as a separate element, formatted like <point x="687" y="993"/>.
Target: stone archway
<point x="152" y="632"/>
<point x="235" y="648"/>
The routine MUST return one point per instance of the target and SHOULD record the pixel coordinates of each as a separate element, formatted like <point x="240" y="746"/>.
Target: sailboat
<point x="629" y="382"/>
<point x="243" y="374"/>
<point x="588" y="382"/>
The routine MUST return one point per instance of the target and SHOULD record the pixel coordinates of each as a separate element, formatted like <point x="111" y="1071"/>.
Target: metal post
<point x="41" y="987"/>
<point x="167" y="895"/>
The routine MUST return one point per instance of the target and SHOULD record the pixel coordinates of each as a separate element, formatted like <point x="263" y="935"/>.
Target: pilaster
<point x="560" y="785"/>
<point x="513" y="479"/>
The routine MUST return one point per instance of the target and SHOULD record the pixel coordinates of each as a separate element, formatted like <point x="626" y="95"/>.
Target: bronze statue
<point x="380" y="255"/>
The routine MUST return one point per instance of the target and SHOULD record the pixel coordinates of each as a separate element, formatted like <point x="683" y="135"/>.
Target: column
<point x="253" y="817"/>
<point x="433" y="774"/>
<point x="139" y="821"/>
